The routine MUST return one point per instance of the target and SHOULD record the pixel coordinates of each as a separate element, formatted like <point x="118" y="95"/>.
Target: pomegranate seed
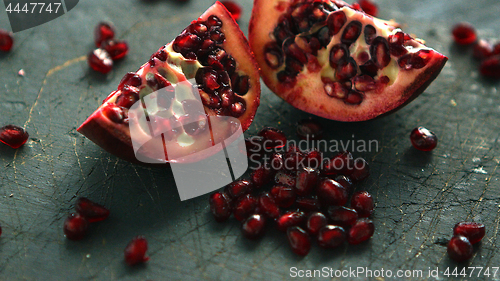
<point x="351" y="32"/>
<point x="344" y="181"/>
<point x="474" y="231"/>
<point x="342" y="163"/>
<point x="253" y="147"/>
<point x="294" y="160"/>
<point x="299" y="240"/>
<point x="128" y="97"/>
<point x="482" y="49"/>
<point x="130" y="79"/>
<point x="104" y="31"/>
<point x="342" y="216"/>
<point x="370" y="33"/>
<point x="75" y="227"/>
<point x="245" y="206"/>
<point x="116" y="49"/>
<point x="362" y="202"/>
<point x="261" y="176"/>
<point x="369" y="7"/>
<point x="314" y="159"/>
<point x="490" y="67"/>
<point x="361" y="231"/>
<point x="100" y="61"/>
<point x="315" y="222"/>
<point x="464" y="33"/>
<point x="285" y="178"/>
<point x="277" y="162"/>
<point x="331" y="236"/>
<point x="93" y="212"/>
<point x="283" y="195"/>
<point x="331" y="192"/>
<point x="338" y="53"/>
<point x="220" y="206"/>
<point x="135" y="252"/>
<point x="423" y="139"/>
<point x="459" y="248"/>
<point x="307" y="179"/>
<point x="308" y="203"/>
<point x="273" y="55"/>
<point x="273" y="138"/>
<point x="309" y="129"/>
<point x="113" y="112"/>
<point x="254" y="226"/>
<point x="6" y="40"/>
<point x="336" y="21"/>
<point x="13" y="136"/>
<point x="268" y="206"/>
<point x="233" y="8"/>
<point x="361" y="170"/>
<point x="238" y="188"/>
<point x="379" y="51"/>
<point x="346" y="69"/>
<point x="289" y="219"/>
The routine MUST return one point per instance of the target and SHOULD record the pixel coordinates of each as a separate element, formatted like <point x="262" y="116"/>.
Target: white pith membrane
<point x="201" y="129"/>
<point x="391" y="87"/>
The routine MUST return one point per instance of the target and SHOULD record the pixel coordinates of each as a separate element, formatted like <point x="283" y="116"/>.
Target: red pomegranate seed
<point x="130" y="79"/>
<point x="75" y="227"/>
<point x="245" y="206"/>
<point x="314" y="159"/>
<point x="277" y="162"/>
<point x="362" y="202"/>
<point x="93" y="212"/>
<point x="308" y="203"/>
<point x="135" y="252"/>
<point x="220" y="205"/>
<point x="459" y="248"/>
<point x="116" y="49"/>
<point x="113" y="112"/>
<point x="344" y="181"/>
<point x="299" y="240"/>
<point x="331" y="192"/>
<point x="342" y="216"/>
<point x="289" y="219"/>
<point x="342" y="163"/>
<point x="482" y="49"/>
<point x="261" y="176"/>
<point x="315" y="222"/>
<point x="273" y="138"/>
<point x="294" y="159"/>
<point x="104" y="31"/>
<point x="233" y="8"/>
<point x="254" y="147"/>
<point x="268" y="206"/>
<point x="238" y="188"/>
<point x="254" y="226"/>
<point x="309" y="129"/>
<point x="490" y="67"/>
<point x="128" y="97"/>
<point x="464" y="33"/>
<point x="361" y="170"/>
<point x="6" y="40"/>
<point x="283" y="195"/>
<point x="474" y="231"/>
<point x="307" y="179"/>
<point x="331" y="236"/>
<point x="285" y="178"/>
<point x="361" y="231"/>
<point x="369" y="7"/>
<point x="100" y="61"/>
<point x="423" y="139"/>
<point x="336" y="21"/>
<point x="13" y="136"/>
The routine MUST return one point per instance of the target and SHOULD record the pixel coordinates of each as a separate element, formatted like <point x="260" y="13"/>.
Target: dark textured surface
<point x="419" y="196"/>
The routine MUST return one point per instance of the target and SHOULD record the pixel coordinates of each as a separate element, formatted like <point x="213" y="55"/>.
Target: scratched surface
<point x="419" y="196"/>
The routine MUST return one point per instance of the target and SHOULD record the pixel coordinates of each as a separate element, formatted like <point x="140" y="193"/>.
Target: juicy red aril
<point x="459" y="248"/>
<point x="93" y="212"/>
<point x="75" y="227"/>
<point x="351" y="32"/>
<point x="277" y="162"/>
<point x="331" y="192"/>
<point x="308" y="203"/>
<point x="104" y="31"/>
<point x="371" y="69"/>
<point x="364" y="83"/>
<point x="379" y="51"/>
<point x="370" y="33"/>
<point x="309" y="129"/>
<point x="423" y="139"/>
<point x="186" y="42"/>
<point x="360" y="171"/>
<point x="273" y="55"/>
<point x="331" y="236"/>
<point x="238" y="108"/>
<point x="100" y="61"/>
<point x="336" y="90"/>
<point x="299" y="240"/>
<point x="342" y="216"/>
<point x="336" y="21"/>
<point x="362" y="202"/>
<point x="338" y="53"/>
<point x="233" y="8"/>
<point x="261" y="176"/>
<point x="482" y="49"/>
<point x="396" y="42"/>
<point x="285" y="178"/>
<point x="415" y="60"/>
<point x="6" y="40"/>
<point x="273" y="138"/>
<point x="490" y="67"/>
<point x="315" y="222"/>
<point x="474" y="231"/>
<point x="130" y="79"/>
<point x="128" y="97"/>
<point x="368" y="7"/>
<point x="314" y="159"/>
<point x="244" y="207"/>
<point x="220" y="205"/>
<point x="254" y="226"/>
<point x="354" y="98"/>
<point x="342" y="163"/>
<point x="283" y="195"/>
<point x="307" y="179"/>
<point x="242" y="85"/>
<point x="361" y="231"/>
<point x="268" y="206"/>
<point x="344" y="181"/>
<point x="114" y="113"/>
<point x="464" y="33"/>
<point x="116" y="49"/>
<point x="289" y="219"/>
<point x="13" y="136"/>
<point x="238" y="188"/>
<point x="135" y="252"/>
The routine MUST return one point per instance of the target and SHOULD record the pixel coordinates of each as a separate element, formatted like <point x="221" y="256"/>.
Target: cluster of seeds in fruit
<point x="13" y="136"/>
<point x="465" y="234"/>
<point x="301" y="193"/>
<point x="6" y="40"/>
<point x="423" y="139"/>
<point x="76" y="224"/>
<point x="108" y="49"/>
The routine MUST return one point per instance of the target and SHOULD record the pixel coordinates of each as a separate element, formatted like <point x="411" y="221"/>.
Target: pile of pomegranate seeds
<point x="135" y="252"/>
<point x="304" y="198"/>
<point x="423" y="139"/>
<point x="233" y="8"/>
<point x="108" y="49"/>
<point x="13" y="136"/>
<point x="76" y="225"/>
<point x="465" y="234"/>
<point x="6" y="40"/>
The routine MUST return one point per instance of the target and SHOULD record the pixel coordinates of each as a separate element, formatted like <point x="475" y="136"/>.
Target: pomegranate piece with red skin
<point x="343" y="216"/>
<point x="360" y="171"/>
<point x="220" y="205"/>
<point x="268" y="206"/>
<point x="289" y="219"/>
<point x="116" y="49"/>
<point x="360" y="231"/>
<point x="331" y="60"/>
<point x="6" y="40"/>
<point x="464" y="33"/>
<point x="104" y="31"/>
<point x="299" y="240"/>
<point x="75" y="227"/>
<point x="307" y="179"/>
<point x="474" y="231"/>
<point x="490" y="67"/>
<point x="423" y="139"/>
<point x="254" y="227"/>
<point x="482" y="49"/>
<point x="315" y="222"/>
<point x="283" y="195"/>
<point x="459" y="248"/>
<point x="331" y="236"/>
<point x="227" y="80"/>
<point x="135" y="252"/>
<point x="13" y="136"/>
<point x="310" y="129"/>
<point x="273" y="138"/>
<point x="244" y="207"/>
<point x="234" y="8"/>
<point x="92" y="211"/>
<point x="331" y="192"/>
<point x="368" y="7"/>
<point x="100" y="61"/>
<point x="238" y="188"/>
<point x="362" y="202"/>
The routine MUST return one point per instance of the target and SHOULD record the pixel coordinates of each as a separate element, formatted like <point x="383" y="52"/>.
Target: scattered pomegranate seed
<point x="473" y="231"/>
<point x="273" y="138"/>
<point x="116" y="49"/>
<point x="299" y="240"/>
<point x="283" y="195"/>
<point x="360" y="171"/>
<point x="342" y="216"/>
<point x="307" y="179"/>
<point x="75" y="227"/>
<point x="331" y="192"/>
<point x="490" y="67"/>
<point x="13" y="136"/>
<point x="361" y="231"/>
<point x="104" y="31"/>
<point x="331" y="236"/>
<point x="238" y="188"/>
<point x="135" y="252"/>
<point x="314" y="159"/>
<point x="93" y="212"/>
<point x="289" y="219"/>
<point x="344" y="181"/>
<point x="100" y="61"/>
<point x="459" y="248"/>
<point x="245" y="207"/>
<point x="309" y="129"/>
<point x="423" y="139"/>
<point x="464" y="33"/>
<point x="268" y="206"/>
<point x="362" y="202"/>
<point x="261" y="176"/>
<point x="342" y="163"/>
<point x="482" y="49"/>
<point x="369" y="7"/>
<point x="6" y="40"/>
<point x="220" y="205"/>
<point x="233" y="8"/>
<point x="315" y="222"/>
<point x="254" y="226"/>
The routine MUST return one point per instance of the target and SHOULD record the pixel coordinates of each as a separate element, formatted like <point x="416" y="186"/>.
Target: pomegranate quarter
<point x="328" y="59"/>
